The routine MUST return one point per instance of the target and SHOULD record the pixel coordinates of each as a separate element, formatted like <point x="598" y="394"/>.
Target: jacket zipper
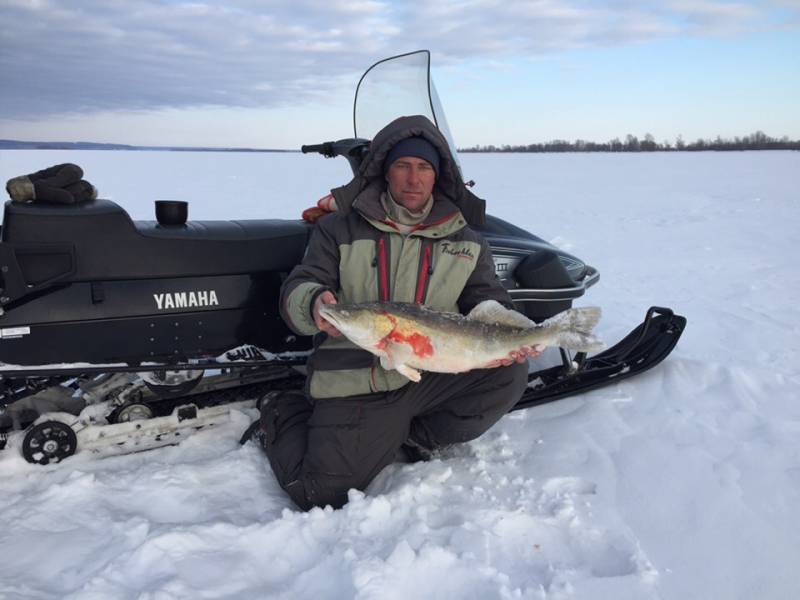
<point x="383" y="271"/>
<point x="425" y="272"/>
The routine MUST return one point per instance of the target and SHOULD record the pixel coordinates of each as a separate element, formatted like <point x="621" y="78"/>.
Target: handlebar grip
<point x="326" y="149"/>
<point x="306" y="148"/>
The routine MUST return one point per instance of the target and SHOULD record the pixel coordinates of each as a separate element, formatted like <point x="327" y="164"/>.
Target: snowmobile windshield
<point x="395" y="87"/>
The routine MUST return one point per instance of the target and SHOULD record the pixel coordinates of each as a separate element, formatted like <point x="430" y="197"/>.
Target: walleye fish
<point x="411" y="338"/>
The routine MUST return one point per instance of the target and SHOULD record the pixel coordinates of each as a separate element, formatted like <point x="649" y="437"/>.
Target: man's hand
<point x="325" y="326"/>
<point x="519" y="356"/>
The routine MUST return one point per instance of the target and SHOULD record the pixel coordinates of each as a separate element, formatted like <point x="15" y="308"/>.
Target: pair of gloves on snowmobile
<point x="60" y="184"/>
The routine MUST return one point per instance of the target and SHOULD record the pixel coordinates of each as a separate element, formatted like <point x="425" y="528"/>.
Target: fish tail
<point x="572" y="329"/>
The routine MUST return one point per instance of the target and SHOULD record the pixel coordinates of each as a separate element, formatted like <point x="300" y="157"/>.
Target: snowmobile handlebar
<point x="325" y="148"/>
<point x="353" y="149"/>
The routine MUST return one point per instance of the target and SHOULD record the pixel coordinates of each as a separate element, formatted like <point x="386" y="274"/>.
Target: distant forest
<point x="756" y="141"/>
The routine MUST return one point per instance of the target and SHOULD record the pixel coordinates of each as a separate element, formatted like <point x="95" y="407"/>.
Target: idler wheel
<point x="171" y="384"/>
<point x="49" y="441"/>
<point x="132" y="411"/>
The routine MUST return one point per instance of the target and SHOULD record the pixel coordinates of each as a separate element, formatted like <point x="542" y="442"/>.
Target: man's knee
<point x="467" y="416"/>
<point x="518" y="381"/>
<point x="312" y="490"/>
<point x="498" y="391"/>
<point x="345" y="448"/>
<point x="283" y="436"/>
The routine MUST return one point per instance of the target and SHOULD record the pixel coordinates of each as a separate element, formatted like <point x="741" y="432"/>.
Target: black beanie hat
<point x="414" y="146"/>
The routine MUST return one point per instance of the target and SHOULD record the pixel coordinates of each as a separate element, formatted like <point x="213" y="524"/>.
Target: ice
<point x="680" y="483"/>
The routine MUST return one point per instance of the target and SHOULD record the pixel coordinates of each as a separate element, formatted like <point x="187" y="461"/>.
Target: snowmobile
<point x="120" y="335"/>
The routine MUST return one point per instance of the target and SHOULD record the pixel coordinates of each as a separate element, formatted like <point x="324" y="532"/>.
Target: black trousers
<point x="319" y="451"/>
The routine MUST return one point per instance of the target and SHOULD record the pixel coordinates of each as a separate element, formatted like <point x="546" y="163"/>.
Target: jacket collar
<point x="444" y="218"/>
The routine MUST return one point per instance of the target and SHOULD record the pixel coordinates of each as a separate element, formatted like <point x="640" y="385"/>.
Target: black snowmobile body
<point x="88" y="294"/>
<point x="171" y="293"/>
<point x="140" y="291"/>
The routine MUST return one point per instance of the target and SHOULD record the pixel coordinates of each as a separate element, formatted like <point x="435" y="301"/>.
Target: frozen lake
<point x="265" y="185"/>
<point x="681" y="483"/>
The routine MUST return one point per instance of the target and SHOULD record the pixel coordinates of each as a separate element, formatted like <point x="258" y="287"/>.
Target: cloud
<point x="708" y="17"/>
<point x="98" y="55"/>
<point x="103" y="55"/>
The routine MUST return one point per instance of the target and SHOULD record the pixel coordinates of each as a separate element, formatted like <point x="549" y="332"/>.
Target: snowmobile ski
<point x="643" y="348"/>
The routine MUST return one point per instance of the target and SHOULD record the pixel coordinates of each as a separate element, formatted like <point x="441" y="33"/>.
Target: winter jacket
<point x="359" y="255"/>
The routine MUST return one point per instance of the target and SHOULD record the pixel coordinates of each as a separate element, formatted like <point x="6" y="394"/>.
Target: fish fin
<point x="580" y="342"/>
<point x="491" y="311"/>
<point x="572" y="329"/>
<point x="397" y="354"/>
<point x="396" y="357"/>
<point x="409" y="372"/>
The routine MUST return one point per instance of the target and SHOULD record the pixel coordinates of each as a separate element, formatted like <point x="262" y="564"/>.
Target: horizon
<point x="202" y="75"/>
<point x="502" y="147"/>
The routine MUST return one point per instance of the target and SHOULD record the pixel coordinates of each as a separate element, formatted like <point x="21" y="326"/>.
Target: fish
<point x="410" y="338"/>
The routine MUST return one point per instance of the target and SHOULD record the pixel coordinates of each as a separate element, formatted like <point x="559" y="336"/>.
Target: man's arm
<point x="317" y="277"/>
<point x="483" y="283"/>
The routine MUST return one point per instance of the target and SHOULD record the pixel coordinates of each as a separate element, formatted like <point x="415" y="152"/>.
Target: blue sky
<point x="277" y="74"/>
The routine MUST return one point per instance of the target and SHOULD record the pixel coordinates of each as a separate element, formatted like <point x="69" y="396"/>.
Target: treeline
<point x="24" y="145"/>
<point x="756" y="141"/>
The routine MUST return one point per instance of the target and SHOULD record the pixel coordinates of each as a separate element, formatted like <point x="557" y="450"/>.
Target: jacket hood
<point x="368" y="184"/>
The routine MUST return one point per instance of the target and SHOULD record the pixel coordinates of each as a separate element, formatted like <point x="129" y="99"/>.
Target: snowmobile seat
<point x="101" y="242"/>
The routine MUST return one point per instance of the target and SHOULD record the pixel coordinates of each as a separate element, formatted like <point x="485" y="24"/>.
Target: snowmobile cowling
<point x="88" y="271"/>
<point x="109" y="245"/>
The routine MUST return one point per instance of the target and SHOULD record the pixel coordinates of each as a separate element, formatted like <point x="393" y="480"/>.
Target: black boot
<point x="255" y="431"/>
<point x="411" y="452"/>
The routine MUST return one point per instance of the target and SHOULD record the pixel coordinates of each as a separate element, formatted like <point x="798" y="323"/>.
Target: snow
<point x="682" y="483"/>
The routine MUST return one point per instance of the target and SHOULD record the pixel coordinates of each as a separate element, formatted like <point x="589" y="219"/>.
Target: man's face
<point x="411" y="182"/>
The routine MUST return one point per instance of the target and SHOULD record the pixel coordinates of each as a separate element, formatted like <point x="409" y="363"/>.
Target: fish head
<point x="363" y="325"/>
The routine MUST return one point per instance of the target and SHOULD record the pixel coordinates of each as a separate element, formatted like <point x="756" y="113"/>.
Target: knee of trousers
<point x="510" y="382"/>
<point x="520" y="379"/>
<point x="321" y="490"/>
<point x="465" y="419"/>
<point x="503" y="392"/>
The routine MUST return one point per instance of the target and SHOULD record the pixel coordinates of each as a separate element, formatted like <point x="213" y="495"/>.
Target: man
<point x="400" y="234"/>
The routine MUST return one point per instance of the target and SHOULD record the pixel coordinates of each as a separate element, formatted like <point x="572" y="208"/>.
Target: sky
<point x="261" y="74"/>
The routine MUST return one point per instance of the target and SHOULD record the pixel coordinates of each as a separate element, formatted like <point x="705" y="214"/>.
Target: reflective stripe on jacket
<point x="360" y="258"/>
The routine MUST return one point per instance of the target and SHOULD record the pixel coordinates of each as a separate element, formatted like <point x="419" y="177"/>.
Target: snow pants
<point x="318" y="451"/>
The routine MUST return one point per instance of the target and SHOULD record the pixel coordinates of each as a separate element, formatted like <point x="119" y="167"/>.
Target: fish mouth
<point x="329" y="314"/>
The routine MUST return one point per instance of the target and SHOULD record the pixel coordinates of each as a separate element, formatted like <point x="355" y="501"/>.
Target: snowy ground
<point x="682" y="483"/>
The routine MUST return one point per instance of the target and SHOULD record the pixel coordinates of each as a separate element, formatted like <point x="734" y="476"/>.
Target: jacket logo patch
<point x="466" y="253"/>
<point x="186" y="299"/>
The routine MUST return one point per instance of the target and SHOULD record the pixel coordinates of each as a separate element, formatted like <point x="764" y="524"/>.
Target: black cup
<point x="172" y="212"/>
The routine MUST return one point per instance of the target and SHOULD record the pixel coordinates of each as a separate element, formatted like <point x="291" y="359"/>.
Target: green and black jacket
<point x="359" y="255"/>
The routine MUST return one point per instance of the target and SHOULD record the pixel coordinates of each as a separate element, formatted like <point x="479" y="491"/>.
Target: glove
<point x="325" y="205"/>
<point x="60" y="184"/>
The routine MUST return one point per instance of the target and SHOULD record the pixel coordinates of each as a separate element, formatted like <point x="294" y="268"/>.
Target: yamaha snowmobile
<point x="120" y="335"/>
